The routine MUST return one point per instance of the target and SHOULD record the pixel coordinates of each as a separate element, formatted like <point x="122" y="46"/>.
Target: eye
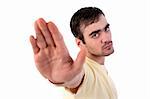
<point x="95" y="35"/>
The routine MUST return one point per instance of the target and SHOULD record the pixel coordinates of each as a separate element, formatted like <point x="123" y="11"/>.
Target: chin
<point x="108" y="53"/>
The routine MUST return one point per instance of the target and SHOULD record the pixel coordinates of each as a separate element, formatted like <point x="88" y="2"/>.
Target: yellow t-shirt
<point x="96" y="84"/>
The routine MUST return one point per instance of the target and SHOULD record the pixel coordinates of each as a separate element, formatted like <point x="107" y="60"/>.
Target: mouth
<point x="108" y="46"/>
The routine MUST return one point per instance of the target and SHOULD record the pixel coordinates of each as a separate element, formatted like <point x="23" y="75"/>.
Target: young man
<point x="86" y="77"/>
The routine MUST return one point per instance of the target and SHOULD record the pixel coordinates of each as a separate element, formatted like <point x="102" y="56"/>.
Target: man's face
<point x="97" y="38"/>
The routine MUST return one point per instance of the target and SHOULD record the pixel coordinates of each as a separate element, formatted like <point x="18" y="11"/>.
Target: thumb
<point x="78" y="64"/>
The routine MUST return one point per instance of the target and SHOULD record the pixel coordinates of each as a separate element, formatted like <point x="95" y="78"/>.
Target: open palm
<point x="51" y="56"/>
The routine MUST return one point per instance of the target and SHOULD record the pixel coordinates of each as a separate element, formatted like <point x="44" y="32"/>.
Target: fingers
<point x="45" y="32"/>
<point x="34" y="44"/>
<point x="57" y="37"/>
<point x="39" y="36"/>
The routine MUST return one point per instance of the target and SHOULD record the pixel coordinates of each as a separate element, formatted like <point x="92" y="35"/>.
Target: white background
<point x="129" y="66"/>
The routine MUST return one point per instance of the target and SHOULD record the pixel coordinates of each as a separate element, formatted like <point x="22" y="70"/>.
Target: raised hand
<point x="51" y="56"/>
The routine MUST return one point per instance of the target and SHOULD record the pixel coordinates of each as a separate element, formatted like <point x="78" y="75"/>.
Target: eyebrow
<point x="107" y="26"/>
<point x="99" y="30"/>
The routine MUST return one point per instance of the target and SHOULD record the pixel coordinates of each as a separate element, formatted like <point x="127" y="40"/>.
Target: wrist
<point x="75" y="82"/>
<point x="56" y="83"/>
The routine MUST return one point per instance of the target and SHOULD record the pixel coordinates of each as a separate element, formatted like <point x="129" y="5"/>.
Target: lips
<point x="107" y="46"/>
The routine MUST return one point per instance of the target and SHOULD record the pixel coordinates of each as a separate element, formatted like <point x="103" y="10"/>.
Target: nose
<point x="106" y="37"/>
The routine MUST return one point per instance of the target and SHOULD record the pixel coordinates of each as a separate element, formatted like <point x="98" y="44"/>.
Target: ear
<point x="79" y="43"/>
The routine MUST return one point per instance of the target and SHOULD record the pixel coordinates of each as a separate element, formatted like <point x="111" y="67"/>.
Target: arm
<point x="52" y="58"/>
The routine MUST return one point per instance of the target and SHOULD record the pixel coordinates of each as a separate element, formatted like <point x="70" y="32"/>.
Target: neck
<point x="98" y="59"/>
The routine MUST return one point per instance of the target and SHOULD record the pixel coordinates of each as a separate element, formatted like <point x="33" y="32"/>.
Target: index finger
<point x="45" y="31"/>
<point x="57" y="37"/>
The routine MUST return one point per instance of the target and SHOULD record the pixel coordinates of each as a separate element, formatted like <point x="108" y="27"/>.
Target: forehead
<point x="100" y="24"/>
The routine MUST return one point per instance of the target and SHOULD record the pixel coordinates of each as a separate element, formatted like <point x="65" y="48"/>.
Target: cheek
<point x="94" y="47"/>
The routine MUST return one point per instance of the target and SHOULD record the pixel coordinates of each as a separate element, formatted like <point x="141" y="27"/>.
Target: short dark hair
<point x="84" y="16"/>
